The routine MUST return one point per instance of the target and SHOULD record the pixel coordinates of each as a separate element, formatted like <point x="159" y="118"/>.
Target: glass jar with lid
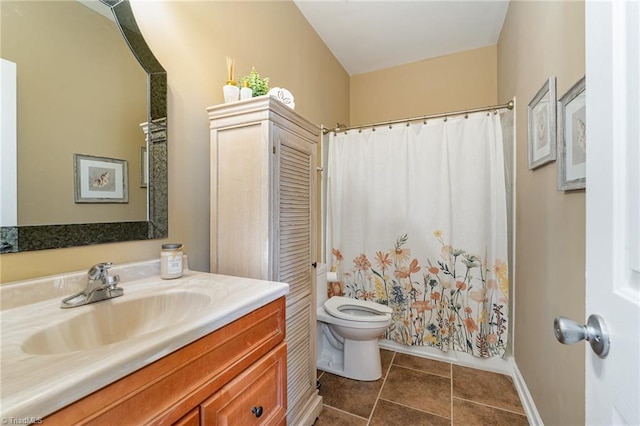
<point x="171" y="261"/>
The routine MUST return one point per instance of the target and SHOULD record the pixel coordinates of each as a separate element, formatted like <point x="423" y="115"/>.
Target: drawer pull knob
<point x="257" y="411"/>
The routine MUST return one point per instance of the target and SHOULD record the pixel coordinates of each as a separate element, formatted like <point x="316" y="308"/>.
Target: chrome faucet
<point x="100" y="286"/>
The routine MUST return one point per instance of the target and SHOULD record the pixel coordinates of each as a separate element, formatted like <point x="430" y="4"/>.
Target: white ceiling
<point x="372" y="35"/>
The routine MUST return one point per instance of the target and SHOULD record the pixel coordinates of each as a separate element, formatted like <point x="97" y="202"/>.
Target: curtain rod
<point x="344" y="128"/>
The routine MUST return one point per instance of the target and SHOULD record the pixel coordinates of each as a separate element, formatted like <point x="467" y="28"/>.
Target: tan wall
<point x="446" y="83"/>
<point x="191" y="40"/>
<point x="538" y="40"/>
<point x="80" y="90"/>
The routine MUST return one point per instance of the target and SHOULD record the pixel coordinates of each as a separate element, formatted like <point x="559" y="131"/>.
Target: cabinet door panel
<point x="240" y="201"/>
<point x="256" y="397"/>
<point x="295" y="254"/>
<point x="191" y="419"/>
<point x="294" y="251"/>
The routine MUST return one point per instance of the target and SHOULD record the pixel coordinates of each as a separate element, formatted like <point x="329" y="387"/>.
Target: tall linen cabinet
<point x="263" y="201"/>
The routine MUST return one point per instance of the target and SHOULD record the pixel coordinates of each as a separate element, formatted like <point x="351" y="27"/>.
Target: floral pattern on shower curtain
<point x="416" y="220"/>
<point x="457" y="301"/>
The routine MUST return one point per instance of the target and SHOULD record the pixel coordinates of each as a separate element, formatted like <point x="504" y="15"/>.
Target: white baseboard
<point x="497" y="365"/>
<point x="525" y="397"/>
<point x="494" y="364"/>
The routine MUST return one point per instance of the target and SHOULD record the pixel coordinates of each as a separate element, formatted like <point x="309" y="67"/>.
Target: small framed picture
<point x="572" y="138"/>
<point x="542" y="125"/>
<point x="144" y="167"/>
<point x="100" y="179"/>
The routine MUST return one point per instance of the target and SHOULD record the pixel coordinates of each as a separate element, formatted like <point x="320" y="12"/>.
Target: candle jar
<point x="171" y="261"/>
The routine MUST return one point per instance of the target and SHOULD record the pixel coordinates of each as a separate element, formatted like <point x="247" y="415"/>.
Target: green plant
<point x="259" y="85"/>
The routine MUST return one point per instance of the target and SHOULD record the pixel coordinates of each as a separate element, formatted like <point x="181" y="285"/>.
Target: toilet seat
<point x="357" y="310"/>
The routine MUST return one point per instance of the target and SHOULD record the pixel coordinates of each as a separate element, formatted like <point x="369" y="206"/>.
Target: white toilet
<point x="348" y="332"/>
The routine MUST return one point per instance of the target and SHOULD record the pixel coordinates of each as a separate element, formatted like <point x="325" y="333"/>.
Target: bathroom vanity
<point x="235" y="375"/>
<point x="202" y="349"/>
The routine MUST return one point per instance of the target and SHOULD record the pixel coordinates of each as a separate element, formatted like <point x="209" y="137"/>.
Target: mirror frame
<point x="27" y="238"/>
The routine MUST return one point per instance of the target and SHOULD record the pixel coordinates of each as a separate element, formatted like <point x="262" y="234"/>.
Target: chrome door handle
<point x="595" y="332"/>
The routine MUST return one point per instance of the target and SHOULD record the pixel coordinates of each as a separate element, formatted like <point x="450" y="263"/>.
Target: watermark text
<point x="21" y="420"/>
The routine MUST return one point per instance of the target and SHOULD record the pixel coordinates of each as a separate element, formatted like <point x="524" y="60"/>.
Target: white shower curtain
<point x="416" y="219"/>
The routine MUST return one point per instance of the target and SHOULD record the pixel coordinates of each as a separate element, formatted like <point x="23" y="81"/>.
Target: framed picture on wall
<point x="542" y="125"/>
<point x="572" y="138"/>
<point x="100" y="179"/>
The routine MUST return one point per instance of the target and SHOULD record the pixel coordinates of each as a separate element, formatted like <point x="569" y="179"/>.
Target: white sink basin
<point x="114" y="320"/>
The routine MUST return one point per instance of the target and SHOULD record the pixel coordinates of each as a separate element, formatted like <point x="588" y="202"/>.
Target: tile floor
<point x="419" y="391"/>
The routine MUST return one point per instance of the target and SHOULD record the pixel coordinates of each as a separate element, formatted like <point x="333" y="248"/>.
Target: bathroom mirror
<point x="128" y="139"/>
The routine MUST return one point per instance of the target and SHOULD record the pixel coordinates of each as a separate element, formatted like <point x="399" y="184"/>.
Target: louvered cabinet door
<point x="295" y="199"/>
<point x="295" y="253"/>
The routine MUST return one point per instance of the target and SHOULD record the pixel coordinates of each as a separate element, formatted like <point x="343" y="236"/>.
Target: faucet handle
<point x="99" y="271"/>
<point x="111" y="280"/>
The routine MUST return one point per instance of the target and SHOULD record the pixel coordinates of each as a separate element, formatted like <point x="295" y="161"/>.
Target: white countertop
<point x="37" y="385"/>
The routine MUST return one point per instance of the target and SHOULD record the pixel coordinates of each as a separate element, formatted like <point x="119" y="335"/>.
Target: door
<point x="613" y="208"/>
<point x="294" y="252"/>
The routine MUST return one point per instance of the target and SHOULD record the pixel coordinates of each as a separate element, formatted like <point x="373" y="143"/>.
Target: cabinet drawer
<point x="256" y="397"/>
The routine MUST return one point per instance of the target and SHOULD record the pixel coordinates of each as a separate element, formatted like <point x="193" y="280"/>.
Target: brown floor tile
<point x="419" y="390"/>
<point x="349" y="395"/>
<point x="387" y="413"/>
<point x="423" y="364"/>
<point x="332" y="417"/>
<point x="386" y="357"/>
<point x="466" y="413"/>
<point x="486" y="387"/>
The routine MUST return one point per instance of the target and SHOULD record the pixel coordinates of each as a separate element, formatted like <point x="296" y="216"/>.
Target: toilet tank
<point x="321" y="284"/>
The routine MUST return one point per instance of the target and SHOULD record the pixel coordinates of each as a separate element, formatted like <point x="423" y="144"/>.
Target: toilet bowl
<point x="348" y="332"/>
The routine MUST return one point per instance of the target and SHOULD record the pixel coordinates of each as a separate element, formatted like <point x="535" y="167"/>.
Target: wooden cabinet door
<point x="294" y="226"/>
<point x="294" y="253"/>
<point x="258" y="396"/>
<point x="191" y="419"/>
